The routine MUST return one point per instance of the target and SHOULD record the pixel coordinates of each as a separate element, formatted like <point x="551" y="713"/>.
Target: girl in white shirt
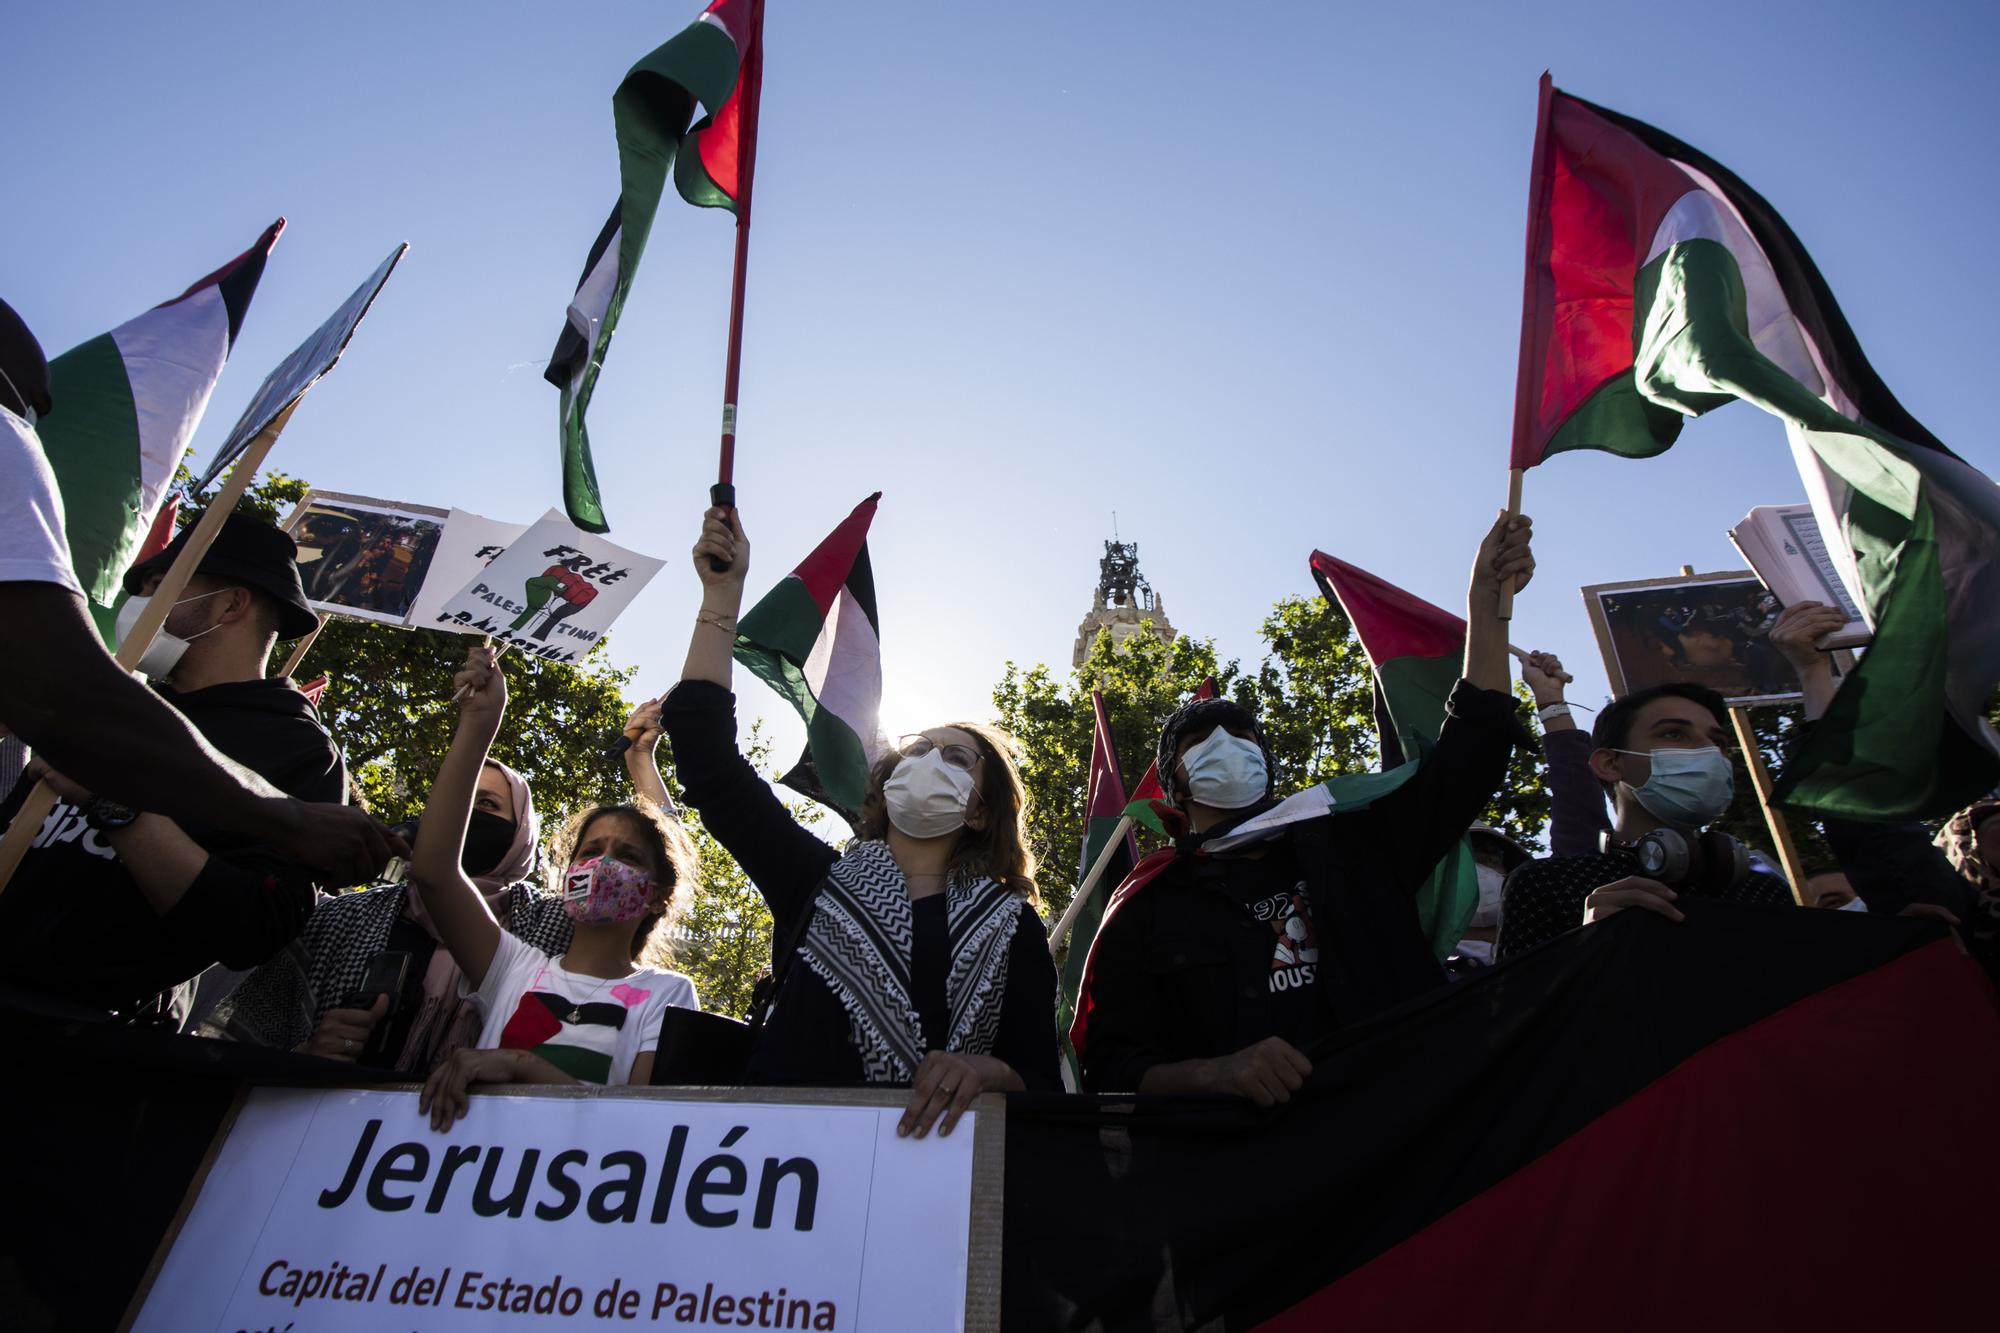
<point x="592" y="1015"/>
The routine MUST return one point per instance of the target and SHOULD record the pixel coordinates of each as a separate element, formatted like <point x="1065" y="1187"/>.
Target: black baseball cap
<point x="251" y="552"/>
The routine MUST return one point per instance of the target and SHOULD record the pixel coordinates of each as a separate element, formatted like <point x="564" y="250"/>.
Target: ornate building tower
<point x="1123" y="599"/>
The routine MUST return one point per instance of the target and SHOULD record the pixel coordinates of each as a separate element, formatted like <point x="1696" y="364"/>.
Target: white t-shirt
<point x="591" y="1027"/>
<point x="33" y="548"/>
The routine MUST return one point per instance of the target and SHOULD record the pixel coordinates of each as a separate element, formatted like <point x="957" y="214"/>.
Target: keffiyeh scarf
<point x="859" y="943"/>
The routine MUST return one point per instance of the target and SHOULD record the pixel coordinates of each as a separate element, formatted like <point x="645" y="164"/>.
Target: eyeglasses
<point x="958" y="756"/>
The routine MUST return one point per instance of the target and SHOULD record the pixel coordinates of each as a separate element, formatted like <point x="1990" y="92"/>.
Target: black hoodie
<point x="73" y="924"/>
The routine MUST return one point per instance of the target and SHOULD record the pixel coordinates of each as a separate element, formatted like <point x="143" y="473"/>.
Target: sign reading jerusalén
<point x="344" y="1209"/>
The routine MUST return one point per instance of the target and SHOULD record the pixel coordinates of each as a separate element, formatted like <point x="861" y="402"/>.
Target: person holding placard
<point x="311" y="998"/>
<point x="916" y="955"/>
<point x="592" y="1014"/>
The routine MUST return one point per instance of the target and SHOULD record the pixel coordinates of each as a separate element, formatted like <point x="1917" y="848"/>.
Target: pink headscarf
<point x="445" y="1023"/>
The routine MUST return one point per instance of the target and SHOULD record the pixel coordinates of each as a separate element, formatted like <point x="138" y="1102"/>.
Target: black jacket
<point x="73" y="923"/>
<point x="807" y="1039"/>
<point x="1182" y="969"/>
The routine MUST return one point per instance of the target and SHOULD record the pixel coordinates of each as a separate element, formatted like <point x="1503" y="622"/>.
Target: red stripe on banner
<point x="1106" y="797"/>
<point x="1605" y="195"/>
<point x="1389" y="622"/>
<point x="1828" y="1168"/>
<point x="825" y="571"/>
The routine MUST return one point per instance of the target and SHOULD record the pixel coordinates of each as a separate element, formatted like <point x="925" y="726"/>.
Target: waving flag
<point x="1660" y="286"/>
<point x="1103" y="811"/>
<point x="716" y="62"/>
<point x="815" y="639"/>
<point x="126" y="405"/>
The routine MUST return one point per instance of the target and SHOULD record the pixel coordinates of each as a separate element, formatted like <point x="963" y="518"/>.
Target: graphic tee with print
<point x="592" y="1028"/>
<point x="1274" y="892"/>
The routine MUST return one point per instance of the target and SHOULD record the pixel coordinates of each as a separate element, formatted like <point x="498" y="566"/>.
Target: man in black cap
<point x="70" y="701"/>
<point x="1229" y="965"/>
<point x="115" y="908"/>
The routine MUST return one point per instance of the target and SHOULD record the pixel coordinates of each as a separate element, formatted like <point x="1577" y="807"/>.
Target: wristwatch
<point x="107" y="816"/>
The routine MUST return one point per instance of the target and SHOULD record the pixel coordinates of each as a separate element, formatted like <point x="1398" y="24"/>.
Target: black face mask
<point x="487" y="838"/>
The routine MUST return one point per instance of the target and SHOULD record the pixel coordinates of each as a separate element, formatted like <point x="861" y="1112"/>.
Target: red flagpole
<point x="752" y="82"/>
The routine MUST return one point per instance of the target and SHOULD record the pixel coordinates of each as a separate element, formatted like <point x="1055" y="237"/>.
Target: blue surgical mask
<point x="1226" y="772"/>
<point x="1688" y="788"/>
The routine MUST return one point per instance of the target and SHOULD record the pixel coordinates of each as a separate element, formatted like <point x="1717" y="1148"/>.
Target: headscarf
<point x="444" y="1020"/>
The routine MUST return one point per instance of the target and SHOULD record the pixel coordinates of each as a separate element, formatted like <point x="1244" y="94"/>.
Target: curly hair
<point x="675" y="868"/>
<point x="998" y="851"/>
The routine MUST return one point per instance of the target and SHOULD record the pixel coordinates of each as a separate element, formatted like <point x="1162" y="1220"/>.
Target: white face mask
<point x="1687" y="788"/>
<point x="1226" y="772"/>
<point x="927" y="797"/>
<point x="163" y="654"/>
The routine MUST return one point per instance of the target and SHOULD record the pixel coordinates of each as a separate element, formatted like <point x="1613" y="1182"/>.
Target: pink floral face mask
<point x="603" y="889"/>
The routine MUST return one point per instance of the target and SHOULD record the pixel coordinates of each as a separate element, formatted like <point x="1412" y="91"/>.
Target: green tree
<point x="1312" y="691"/>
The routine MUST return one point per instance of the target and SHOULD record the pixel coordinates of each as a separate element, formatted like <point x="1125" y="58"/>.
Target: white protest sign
<point x="553" y="593"/>
<point x="470" y="543"/>
<point x="335" y="1209"/>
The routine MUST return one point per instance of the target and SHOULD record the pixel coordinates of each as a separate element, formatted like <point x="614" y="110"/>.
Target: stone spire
<point x="1123" y="599"/>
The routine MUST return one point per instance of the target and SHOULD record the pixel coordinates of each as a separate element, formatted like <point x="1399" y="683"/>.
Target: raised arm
<point x="110" y="734"/>
<point x="464" y="922"/>
<point x="642" y="765"/>
<point x="1424" y="818"/>
<point x="1576" y="799"/>
<point x="1504" y="558"/>
<point x="709" y="651"/>
<point x="736" y="805"/>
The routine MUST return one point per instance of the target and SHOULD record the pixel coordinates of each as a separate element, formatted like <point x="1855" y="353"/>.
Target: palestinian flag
<point x="1634" y="1127"/>
<point x="1104" y="818"/>
<point x="1417" y="653"/>
<point x="716" y="62"/>
<point x="1660" y="286"/>
<point x="816" y="640"/>
<point x="126" y="405"/>
<point x="1415" y="650"/>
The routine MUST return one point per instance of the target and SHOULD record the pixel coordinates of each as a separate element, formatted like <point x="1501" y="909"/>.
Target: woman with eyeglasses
<point x="920" y="958"/>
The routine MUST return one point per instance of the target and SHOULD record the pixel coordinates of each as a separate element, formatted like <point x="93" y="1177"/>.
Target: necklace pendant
<point x="575" y="1016"/>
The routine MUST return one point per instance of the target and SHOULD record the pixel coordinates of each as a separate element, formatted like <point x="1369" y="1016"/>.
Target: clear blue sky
<point x="1248" y="274"/>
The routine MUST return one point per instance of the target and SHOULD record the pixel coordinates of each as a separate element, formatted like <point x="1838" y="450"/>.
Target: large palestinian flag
<point x="1104" y="805"/>
<point x="815" y="639"/>
<point x="716" y="62"/>
<point x="1761" y="1118"/>
<point x="126" y="405"/>
<point x="1417" y="653"/>
<point x="1659" y="286"/>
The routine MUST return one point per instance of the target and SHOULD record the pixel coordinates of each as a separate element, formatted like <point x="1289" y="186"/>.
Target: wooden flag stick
<point x="34" y="810"/>
<point x="1061" y="932"/>
<point x="1774" y="818"/>
<point x="299" y="650"/>
<point x="1514" y="475"/>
